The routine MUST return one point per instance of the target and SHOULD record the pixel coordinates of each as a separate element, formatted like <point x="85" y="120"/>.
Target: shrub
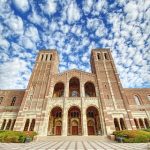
<point x="133" y="136"/>
<point x="148" y="130"/>
<point x="15" y="136"/>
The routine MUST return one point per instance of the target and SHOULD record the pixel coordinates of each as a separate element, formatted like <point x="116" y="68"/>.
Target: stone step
<point x="72" y="138"/>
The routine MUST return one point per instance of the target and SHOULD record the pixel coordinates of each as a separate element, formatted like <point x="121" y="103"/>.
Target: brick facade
<point x="74" y="102"/>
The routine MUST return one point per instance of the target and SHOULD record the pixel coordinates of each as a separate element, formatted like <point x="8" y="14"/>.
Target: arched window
<point x="89" y="89"/>
<point x="136" y="123"/>
<point x="3" y="125"/>
<point x="26" y="125"/>
<point x="146" y="122"/>
<point x="137" y="100"/>
<point x="58" y="90"/>
<point x="141" y="123"/>
<point x="1" y="100"/>
<point x="148" y="97"/>
<point x="122" y="123"/>
<point x="8" y="124"/>
<point x="13" y="101"/>
<point x="13" y="124"/>
<point x="74" y="87"/>
<point x="116" y="123"/>
<point x="32" y="125"/>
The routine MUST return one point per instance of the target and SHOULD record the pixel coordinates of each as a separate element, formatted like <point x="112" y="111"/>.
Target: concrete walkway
<point x="74" y="143"/>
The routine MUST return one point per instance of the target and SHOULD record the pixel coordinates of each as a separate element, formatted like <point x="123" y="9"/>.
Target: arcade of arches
<point x="74" y="89"/>
<point x="75" y="121"/>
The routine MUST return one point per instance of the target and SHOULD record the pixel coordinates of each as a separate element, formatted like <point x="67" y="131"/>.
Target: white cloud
<point x="4" y="44"/>
<point x="87" y="6"/>
<point x="72" y="66"/>
<point x="49" y="7"/>
<point x="16" y="76"/>
<point x="35" y="18"/>
<point x="22" y="5"/>
<point x="131" y="9"/>
<point x="32" y="33"/>
<point x="73" y="12"/>
<point x="15" y="23"/>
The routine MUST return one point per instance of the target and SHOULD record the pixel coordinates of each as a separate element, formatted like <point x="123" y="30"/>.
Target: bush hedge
<point x="15" y="136"/>
<point x="133" y="136"/>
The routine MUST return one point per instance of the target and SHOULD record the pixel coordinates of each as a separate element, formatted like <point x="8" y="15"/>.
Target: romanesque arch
<point x="26" y="126"/>
<point x="116" y="123"/>
<point x="122" y="124"/>
<point x="89" y="89"/>
<point x="8" y="125"/>
<point x="74" y="87"/>
<point x="3" y="125"/>
<point x="32" y="125"/>
<point x="146" y="122"/>
<point x="55" y="121"/>
<point x="136" y="123"/>
<point x="74" y="121"/>
<point x="58" y="90"/>
<point x="141" y="123"/>
<point x="93" y="121"/>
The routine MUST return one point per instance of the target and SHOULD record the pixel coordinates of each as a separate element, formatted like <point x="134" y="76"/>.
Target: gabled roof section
<point x="76" y="70"/>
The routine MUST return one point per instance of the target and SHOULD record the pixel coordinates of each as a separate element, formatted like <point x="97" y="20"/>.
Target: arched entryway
<point x="141" y="123"/>
<point x="55" y="121"/>
<point x="122" y="124"/>
<point x="74" y="121"/>
<point x="146" y="122"/>
<point x="136" y="123"/>
<point x="93" y="121"/>
<point x="116" y="123"/>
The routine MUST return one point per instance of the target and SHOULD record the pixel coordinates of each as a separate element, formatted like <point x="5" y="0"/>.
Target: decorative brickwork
<point x="74" y="102"/>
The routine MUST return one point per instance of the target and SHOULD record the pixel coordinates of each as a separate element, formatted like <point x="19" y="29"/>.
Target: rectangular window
<point x="1" y="100"/>
<point x="99" y="56"/>
<point x="46" y="57"/>
<point x="51" y="57"/>
<point x="106" y="56"/>
<point x="42" y="57"/>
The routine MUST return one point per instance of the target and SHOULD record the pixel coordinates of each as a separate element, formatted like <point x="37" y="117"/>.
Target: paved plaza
<point x="74" y="145"/>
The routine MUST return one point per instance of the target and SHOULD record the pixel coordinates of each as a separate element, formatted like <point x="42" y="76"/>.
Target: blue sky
<point x="74" y="28"/>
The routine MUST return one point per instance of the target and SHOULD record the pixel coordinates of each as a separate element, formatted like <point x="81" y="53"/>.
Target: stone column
<point x="84" y="122"/>
<point x="138" y="123"/>
<point x="65" y="123"/>
<point x="66" y="94"/>
<point x="118" y="119"/>
<point x="6" y="124"/>
<point x="144" y="123"/>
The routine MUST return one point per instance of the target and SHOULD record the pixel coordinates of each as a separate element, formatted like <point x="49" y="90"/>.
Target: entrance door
<point x="74" y="130"/>
<point x="90" y="130"/>
<point x="58" y="130"/>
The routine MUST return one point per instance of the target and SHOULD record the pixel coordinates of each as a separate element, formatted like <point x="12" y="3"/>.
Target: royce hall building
<point x="74" y="102"/>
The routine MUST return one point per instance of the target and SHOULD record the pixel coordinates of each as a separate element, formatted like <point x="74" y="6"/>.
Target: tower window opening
<point x="13" y="101"/>
<point x="1" y="100"/>
<point x="106" y="56"/>
<point x="50" y="57"/>
<point x="42" y="57"/>
<point x="46" y="57"/>
<point x="99" y="56"/>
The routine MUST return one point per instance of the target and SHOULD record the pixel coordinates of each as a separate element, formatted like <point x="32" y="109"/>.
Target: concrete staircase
<point x="72" y="138"/>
